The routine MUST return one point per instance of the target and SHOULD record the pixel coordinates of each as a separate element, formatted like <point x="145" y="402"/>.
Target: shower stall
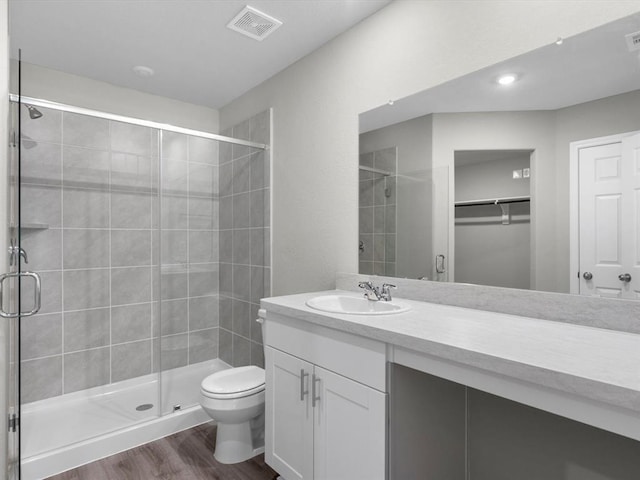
<point x="150" y="247"/>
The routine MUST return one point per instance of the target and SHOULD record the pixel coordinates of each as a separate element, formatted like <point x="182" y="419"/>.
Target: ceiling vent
<point x="633" y="41"/>
<point x="253" y="23"/>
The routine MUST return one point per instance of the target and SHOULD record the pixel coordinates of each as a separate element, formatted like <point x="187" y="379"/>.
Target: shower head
<point x="34" y="113"/>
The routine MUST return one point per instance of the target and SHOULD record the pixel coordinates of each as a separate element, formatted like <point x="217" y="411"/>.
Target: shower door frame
<point x="12" y="355"/>
<point x="38" y="102"/>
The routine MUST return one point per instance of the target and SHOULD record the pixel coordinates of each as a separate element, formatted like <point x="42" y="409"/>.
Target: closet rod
<point x="492" y="201"/>
<point x="374" y="170"/>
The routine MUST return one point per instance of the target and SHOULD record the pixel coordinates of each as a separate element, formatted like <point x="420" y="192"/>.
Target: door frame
<point x="574" y="200"/>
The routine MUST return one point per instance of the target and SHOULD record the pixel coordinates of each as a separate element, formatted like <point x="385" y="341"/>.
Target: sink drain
<point x="144" y="406"/>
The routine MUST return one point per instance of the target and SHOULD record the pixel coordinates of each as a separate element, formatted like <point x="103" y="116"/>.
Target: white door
<point x="609" y="197"/>
<point x="289" y="415"/>
<point x="350" y="436"/>
<point x="631" y="222"/>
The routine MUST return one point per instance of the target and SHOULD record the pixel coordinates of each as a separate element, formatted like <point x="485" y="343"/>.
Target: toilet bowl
<point x="234" y="398"/>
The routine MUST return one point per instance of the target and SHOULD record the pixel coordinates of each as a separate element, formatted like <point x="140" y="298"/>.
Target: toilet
<point x="234" y="398"/>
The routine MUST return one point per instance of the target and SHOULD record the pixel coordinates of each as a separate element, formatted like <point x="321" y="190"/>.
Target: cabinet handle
<point x="303" y="392"/>
<point x="314" y="398"/>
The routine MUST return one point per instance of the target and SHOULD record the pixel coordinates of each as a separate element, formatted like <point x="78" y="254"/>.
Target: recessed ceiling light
<point x="142" y="71"/>
<point x="390" y="102"/>
<point x="507" y="79"/>
<point x="559" y="41"/>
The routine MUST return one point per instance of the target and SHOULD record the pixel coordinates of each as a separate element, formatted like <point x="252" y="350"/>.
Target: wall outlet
<point x="517" y="174"/>
<point x="526" y="172"/>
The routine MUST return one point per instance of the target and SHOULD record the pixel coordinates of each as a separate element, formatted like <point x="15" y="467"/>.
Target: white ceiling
<point x="592" y="65"/>
<point x="195" y="57"/>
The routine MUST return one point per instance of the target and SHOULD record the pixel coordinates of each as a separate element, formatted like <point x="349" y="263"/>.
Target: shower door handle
<point x="37" y="294"/>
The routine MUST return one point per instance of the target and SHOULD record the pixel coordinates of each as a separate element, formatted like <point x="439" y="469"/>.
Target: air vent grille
<point x="633" y="41"/>
<point x="253" y="23"/>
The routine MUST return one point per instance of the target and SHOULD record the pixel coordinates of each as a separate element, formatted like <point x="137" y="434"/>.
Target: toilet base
<point x="234" y="443"/>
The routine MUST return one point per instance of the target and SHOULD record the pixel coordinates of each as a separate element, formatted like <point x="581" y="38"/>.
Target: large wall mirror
<point x="528" y="182"/>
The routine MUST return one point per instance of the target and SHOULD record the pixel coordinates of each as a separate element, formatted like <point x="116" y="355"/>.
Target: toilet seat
<point x="234" y="383"/>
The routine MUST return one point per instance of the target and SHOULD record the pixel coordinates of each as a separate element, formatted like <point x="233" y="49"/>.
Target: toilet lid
<point x="234" y="380"/>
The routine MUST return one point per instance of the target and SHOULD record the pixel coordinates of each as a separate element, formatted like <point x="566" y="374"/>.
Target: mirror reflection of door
<point x="609" y="187"/>
<point x="492" y="217"/>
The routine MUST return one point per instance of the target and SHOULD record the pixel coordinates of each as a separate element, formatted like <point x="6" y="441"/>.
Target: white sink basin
<point x="354" y="305"/>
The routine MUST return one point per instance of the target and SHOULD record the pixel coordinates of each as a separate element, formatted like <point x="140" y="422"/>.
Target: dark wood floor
<point x="186" y="455"/>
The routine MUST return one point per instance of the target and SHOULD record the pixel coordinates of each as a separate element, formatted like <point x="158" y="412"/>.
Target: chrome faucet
<point x="369" y="291"/>
<point x="385" y="294"/>
<point x="377" y="293"/>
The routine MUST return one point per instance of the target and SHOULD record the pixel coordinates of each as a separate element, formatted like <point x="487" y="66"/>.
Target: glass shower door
<point x="189" y="266"/>
<point x="88" y="216"/>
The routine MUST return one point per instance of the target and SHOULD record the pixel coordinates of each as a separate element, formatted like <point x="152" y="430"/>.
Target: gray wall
<point x="443" y="430"/>
<point x="491" y="178"/>
<point x="427" y="426"/>
<point x="317" y="100"/>
<point x="508" y="440"/>
<point x="488" y="252"/>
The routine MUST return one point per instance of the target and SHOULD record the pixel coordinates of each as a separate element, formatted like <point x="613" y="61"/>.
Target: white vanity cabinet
<point x="325" y="403"/>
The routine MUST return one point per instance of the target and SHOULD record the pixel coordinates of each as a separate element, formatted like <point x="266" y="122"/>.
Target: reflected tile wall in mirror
<point x="377" y="212"/>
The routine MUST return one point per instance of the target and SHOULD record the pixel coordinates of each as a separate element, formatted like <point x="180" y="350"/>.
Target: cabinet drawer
<point x="358" y="358"/>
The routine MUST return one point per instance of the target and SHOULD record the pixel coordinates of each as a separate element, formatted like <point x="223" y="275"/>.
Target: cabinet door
<point x="289" y="417"/>
<point x="350" y="436"/>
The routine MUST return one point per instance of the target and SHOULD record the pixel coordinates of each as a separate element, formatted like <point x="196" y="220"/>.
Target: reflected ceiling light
<point x="507" y="79"/>
<point x="142" y="71"/>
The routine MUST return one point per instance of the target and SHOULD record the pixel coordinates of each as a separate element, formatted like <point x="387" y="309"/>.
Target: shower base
<point x="65" y="432"/>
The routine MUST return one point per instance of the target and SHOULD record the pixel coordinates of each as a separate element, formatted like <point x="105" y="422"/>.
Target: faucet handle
<point x="370" y="292"/>
<point x="386" y="291"/>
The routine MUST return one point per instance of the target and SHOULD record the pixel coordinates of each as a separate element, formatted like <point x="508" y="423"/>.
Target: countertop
<point x="592" y="363"/>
